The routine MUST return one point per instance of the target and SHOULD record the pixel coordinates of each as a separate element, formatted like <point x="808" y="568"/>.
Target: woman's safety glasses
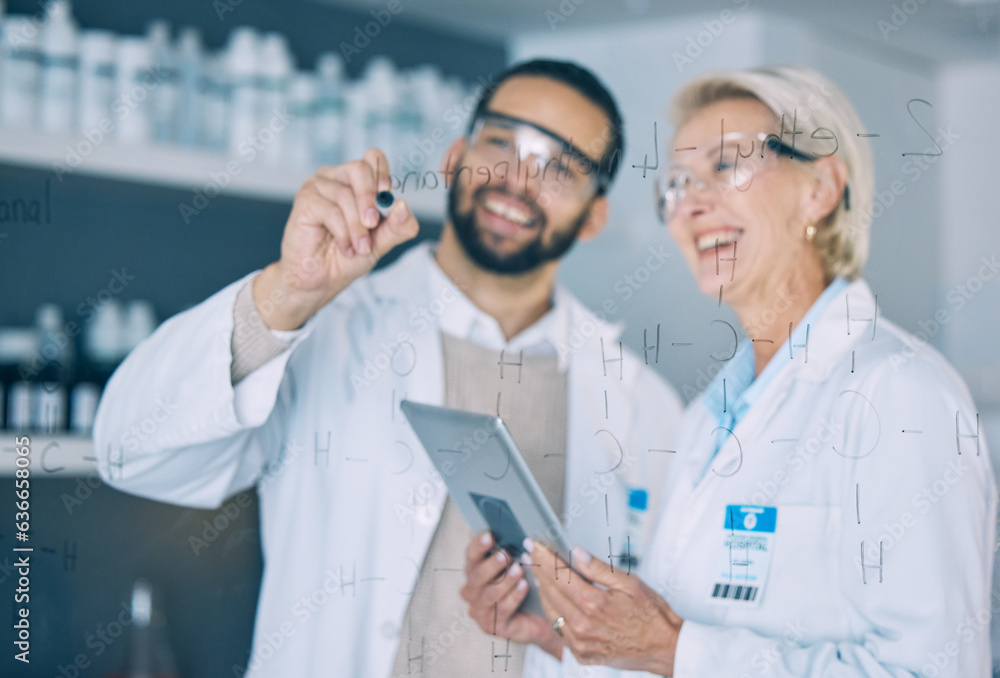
<point x="509" y="146"/>
<point x="729" y="162"/>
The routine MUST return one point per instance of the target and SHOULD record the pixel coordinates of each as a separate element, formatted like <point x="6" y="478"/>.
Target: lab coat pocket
<point x="803" y="585"/>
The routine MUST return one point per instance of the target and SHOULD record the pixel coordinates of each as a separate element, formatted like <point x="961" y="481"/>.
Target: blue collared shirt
<point x="734" y="389"/>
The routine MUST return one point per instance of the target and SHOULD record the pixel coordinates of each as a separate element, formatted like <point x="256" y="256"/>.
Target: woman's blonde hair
<point x="812" y="101"/>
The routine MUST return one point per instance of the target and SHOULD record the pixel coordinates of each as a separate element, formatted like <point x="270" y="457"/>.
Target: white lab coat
<point x="348" y="499"/>
<point x="856" y="445"/>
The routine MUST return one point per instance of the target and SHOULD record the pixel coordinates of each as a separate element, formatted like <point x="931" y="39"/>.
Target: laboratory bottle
<point x="148" y="654"/>
<point x="133" y="83"/>
<point x="21" y="72"/>
<point x="18" y="348"/>
<point x="330" y="110"/>
<point x="55" y="370"/>
<point x="409" y="125"/>
<point x="190" y="96"/>
<point x="97" y="82"/>
<point x="382" y="94"/>
<point x="163" y="96"/>
<point x="426" y="86"/>
<point x="242" y="72"/>
<point x="103" y="340"/>
<point x="215" y="97"/>
<point x="275" y="77"/>
<point x="59" y="58"/>
<point x="356" y="140"/>
<point x="138" y="322"/>
<point x="83" y="401"/>
<point x="19" y="406"/>
<point x="302" y="110"/>
<point x="457" y="109"/>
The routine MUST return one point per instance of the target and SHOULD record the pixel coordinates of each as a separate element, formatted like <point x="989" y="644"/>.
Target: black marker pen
<point x="384" y="200"/>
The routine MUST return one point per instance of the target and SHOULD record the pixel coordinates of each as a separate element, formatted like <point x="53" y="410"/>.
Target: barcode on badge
<point x="731" y="592"/>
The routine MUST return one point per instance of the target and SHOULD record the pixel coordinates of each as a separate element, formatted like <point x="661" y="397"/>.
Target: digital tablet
<point x="489" y="481"/>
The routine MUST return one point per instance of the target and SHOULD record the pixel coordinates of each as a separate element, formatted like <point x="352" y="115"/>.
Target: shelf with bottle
<point x="204" y="172"/>
<point x="243" y="120"/>
<point x="51" y="379"/>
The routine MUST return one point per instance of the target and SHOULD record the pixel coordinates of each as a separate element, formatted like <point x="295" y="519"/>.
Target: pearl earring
<point x="810" y="232"/>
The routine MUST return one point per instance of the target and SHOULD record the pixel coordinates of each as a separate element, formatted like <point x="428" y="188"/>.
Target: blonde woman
<point x="834" y="507"/>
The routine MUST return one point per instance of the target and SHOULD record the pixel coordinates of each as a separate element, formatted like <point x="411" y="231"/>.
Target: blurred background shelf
<point x="52" y="456"/>
<point x="171" y="166"/>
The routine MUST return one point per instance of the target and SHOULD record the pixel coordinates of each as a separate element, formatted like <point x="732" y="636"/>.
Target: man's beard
<point x="528" y="258"/>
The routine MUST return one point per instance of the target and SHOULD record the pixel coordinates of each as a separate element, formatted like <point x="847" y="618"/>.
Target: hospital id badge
<point x="745" y="556"/>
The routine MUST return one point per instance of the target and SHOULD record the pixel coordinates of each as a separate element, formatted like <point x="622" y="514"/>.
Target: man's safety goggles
<point x="511" y="145"/>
